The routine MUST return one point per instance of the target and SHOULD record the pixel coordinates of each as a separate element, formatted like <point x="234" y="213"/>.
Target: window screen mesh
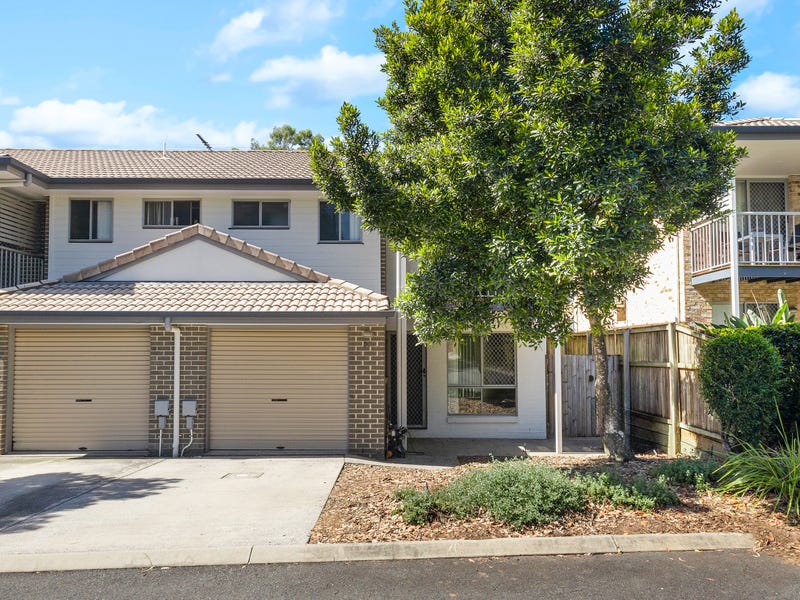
<point x="767" y="196"/>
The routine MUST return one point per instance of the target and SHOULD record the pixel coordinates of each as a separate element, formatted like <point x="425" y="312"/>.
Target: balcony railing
<point x="762" y="239"/>
<point x="18" y="267"/>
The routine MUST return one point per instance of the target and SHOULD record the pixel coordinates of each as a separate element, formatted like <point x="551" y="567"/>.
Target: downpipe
<point x="176" y="386"/>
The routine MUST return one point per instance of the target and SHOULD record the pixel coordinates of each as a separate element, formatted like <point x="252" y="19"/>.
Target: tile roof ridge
<point x="365" y="293"/>
<point x="207" y="232"/>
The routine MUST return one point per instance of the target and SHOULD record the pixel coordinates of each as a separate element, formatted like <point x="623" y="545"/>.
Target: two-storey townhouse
<point x="230" y="269"/>
<point x="739" y="261"/>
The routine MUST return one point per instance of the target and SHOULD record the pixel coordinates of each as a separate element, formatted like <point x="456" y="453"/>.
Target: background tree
<point x="287" y="137"/>
<point x="539" y="152"/>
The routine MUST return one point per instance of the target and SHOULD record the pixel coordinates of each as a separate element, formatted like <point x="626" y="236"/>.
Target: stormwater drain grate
<point x="242" y="475"/>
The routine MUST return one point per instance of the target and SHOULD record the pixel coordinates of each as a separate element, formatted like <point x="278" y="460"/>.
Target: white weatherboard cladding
<point x="199" y="260"/>
<point x="357" y="263"/>
<point x="55" y="367"/>
<point x="530" y="421"/>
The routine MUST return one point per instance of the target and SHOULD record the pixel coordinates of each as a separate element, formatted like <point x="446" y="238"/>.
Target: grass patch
<point x="761" y="471"/>
<point x="521" y="493"/>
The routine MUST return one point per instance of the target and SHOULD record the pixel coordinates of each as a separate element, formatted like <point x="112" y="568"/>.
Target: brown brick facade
<point x="752" y="291"/>
<point x="3" y="387"/>
<point x="793" y="201"/>
<point x="366" y="430"/>
<point x="696" y="307"/>
<point x="194" y="378"/>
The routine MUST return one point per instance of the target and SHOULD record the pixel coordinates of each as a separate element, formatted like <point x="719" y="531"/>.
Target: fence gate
<point x="580" y="405"/>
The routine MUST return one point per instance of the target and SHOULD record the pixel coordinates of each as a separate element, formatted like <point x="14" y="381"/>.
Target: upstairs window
<point x="264" y="214"/>
<point x="90" y="220"/>
<point x="338" y="227"/>
<point x="160" y="212"/>
<point x="482" y="375"/>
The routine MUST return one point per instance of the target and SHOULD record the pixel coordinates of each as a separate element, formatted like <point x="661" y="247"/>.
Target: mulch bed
<point x="361" y="506"/>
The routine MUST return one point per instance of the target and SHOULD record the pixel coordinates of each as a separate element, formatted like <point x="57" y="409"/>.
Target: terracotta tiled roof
<point x="209" y="233"/>
<point x="115" y="297"/>
<point x="761" y="122"/>
<point x="84" y="291"/>
<point x="260" y="165"/>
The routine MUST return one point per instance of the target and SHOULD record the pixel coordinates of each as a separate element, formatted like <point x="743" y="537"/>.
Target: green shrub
<point x="786" y="340"/>
<point x="688" y="471"/>
<point x="761" y="470"/>
<point x="417" y="507"/>
<point x="516" y="492"/>
<point x="740" y="378"/>
<point x="642" y="494"/>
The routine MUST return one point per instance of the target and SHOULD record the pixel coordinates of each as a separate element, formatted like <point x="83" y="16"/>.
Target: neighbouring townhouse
<point x="739" y="261"/>
<point x="192" y="301"/>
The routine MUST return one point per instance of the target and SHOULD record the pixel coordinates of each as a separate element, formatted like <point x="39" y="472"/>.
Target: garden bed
<point x="362" y="505"/>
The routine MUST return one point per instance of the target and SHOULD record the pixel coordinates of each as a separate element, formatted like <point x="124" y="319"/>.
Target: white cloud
<point x="240" y="33"/>
<point x="275" y="21"/>
<point x="754" y="8"/>
<point x="6" y="140"/>
<point x="9" y="100"/>
<point x="220" y="77"/>
<point x="89" y="123"/>
<point x="334" y="74"/>
<point x="771" y="94"/>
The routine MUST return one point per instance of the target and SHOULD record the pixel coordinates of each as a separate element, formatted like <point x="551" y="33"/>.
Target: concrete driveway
<point x="56" y="504"/>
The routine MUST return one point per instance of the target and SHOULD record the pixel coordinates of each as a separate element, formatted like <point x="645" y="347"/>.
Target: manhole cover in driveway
<point x="242" y="475"/>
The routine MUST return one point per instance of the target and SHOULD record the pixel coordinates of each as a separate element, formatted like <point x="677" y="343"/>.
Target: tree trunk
<point x="612" y="409"/>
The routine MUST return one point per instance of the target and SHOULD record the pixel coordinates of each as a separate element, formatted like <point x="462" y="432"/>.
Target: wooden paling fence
<point x="658" y="379"/>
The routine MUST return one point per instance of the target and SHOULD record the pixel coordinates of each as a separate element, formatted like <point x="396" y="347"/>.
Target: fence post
<point x="674" y="440"/>
<point x="626" y="379"/>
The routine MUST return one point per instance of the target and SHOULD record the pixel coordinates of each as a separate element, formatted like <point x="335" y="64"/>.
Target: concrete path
<point x="53" y="505"/>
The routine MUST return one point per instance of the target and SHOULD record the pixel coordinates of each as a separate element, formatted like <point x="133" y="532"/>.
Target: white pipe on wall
<point x="176" y="386"/>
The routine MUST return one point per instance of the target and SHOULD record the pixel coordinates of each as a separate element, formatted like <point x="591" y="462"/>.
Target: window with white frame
<point x="264" y="214"/>
<point x="338" y="226"/>
<point x="90" y="220"/>
<point x="482" y="375"/>
<point x="163" y="212"/>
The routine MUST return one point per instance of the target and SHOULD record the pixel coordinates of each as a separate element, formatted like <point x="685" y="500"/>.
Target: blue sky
<point x="89" y="74"/>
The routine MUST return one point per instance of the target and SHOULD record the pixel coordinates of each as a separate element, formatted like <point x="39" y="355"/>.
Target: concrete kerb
<point x="301" y="553"/>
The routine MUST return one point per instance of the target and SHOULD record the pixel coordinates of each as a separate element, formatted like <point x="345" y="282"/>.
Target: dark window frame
<point x="338" y="226"/>
<point x="171" y="201"/>
<point x="92" y="203"/>
<point x="261" y="204"/>
<point x="487" y="386"/>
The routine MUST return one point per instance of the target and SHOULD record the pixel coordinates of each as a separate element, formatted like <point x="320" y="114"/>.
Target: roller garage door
<point x="81" y="389"/>
<point x="278" y="389"/>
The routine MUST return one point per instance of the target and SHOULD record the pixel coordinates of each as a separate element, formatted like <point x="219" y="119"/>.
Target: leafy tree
<point x="287" y="137"/>
<point x="539" y="152"/>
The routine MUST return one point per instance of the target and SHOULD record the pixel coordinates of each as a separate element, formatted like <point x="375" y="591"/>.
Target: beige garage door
<point x="81" y="389"/>
<point x="272" y="389"/>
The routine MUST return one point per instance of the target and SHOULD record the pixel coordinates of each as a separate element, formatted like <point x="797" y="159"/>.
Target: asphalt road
<point x="684" y="575"/>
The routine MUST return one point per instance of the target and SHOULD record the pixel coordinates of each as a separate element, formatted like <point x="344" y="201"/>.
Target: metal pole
<point x="733" y="235"/>
<point x="558" y="425"/>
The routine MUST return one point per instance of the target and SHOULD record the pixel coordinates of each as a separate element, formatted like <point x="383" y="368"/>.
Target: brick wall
<point x="793" y="203"/>
<point x="194" y="377"/>
<point x="366" y="430"/>
<point x="384" y="247"/>
<point x="696" y="307"/>
<point x="752" y="291"/>
<point x="3" y="386"/>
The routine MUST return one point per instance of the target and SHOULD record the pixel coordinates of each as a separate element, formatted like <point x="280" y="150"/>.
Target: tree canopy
<point x="539" y="152"/>
<point x="287" y="137"/>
